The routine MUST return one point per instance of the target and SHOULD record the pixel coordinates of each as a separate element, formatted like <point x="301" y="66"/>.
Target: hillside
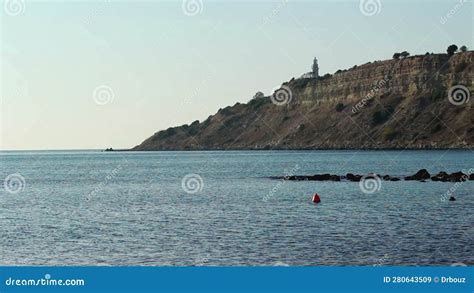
<point x="384" y="104"/>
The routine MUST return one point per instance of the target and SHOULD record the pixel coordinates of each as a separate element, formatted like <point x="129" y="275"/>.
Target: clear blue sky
<point x="166" y="67"/>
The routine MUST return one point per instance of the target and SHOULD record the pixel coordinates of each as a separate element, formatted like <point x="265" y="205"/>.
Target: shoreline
<point x="297" y="149"/>
<point x="243" y="149"/>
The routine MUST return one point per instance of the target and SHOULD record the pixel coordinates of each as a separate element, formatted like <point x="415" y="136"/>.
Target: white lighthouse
<point x="315" y="68"/>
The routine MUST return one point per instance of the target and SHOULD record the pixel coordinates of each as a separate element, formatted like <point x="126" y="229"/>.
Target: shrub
<point x="326" y="76"/>
<point x="167" y="133"/>
<point x="438" y="93"/>
<point x="437" y="128"/>
<point x="396" y="56"/>
<point x="381" y="116"/>
<point x="258" y="95"/>
<point x="389" y="133"/>
<point x="193" y="131"/>
<point x="340" y="107"/>
<point x="257" y="103"/>
<point x="463" y="49"/>
<point x="226" y="111"/>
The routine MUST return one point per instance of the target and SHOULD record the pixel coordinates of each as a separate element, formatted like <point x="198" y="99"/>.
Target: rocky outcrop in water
<point x="421" y="175"/>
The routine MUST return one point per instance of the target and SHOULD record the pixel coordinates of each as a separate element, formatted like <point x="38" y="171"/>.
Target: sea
<point x="222" y="208"/>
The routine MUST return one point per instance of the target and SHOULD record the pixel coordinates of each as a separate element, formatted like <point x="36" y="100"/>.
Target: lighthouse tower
<point x="315" y="68"/>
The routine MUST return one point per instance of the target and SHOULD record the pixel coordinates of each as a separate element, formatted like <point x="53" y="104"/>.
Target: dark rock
<point x="352" y="177"/>
<point x="453" y="177"/>
<point x="335" y="178"/>
<point x="441" y="176"/>
<point x="320" y="177"/>
<point x="420" y="175"/>
<point x="452" y="198"/>
<point x="458" y="177"/>
<point x="109" y="150"/>
<point x="316" y="177"/>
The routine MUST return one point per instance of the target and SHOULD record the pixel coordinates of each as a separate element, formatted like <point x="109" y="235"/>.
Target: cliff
<point x="404" y="103"/>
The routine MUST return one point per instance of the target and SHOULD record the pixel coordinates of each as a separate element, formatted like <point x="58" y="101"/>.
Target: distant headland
<point x="416" y="102"/>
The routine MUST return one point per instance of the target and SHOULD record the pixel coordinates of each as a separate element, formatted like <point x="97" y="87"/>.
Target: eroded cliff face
<point x="386" y="104"/>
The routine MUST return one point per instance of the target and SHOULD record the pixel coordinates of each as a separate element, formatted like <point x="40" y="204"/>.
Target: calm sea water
<point x="218" y="208"/>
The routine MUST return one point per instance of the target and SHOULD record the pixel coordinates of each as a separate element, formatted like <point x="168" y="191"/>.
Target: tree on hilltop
<point x="404" y="54"/>
<point x="452" y="49"/>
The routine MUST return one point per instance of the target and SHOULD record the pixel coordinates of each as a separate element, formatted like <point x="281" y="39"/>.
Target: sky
<point x="99" y="74"/>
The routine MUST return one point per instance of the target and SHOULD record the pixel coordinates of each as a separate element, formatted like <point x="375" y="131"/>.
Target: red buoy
<point x="316" y="198"/>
